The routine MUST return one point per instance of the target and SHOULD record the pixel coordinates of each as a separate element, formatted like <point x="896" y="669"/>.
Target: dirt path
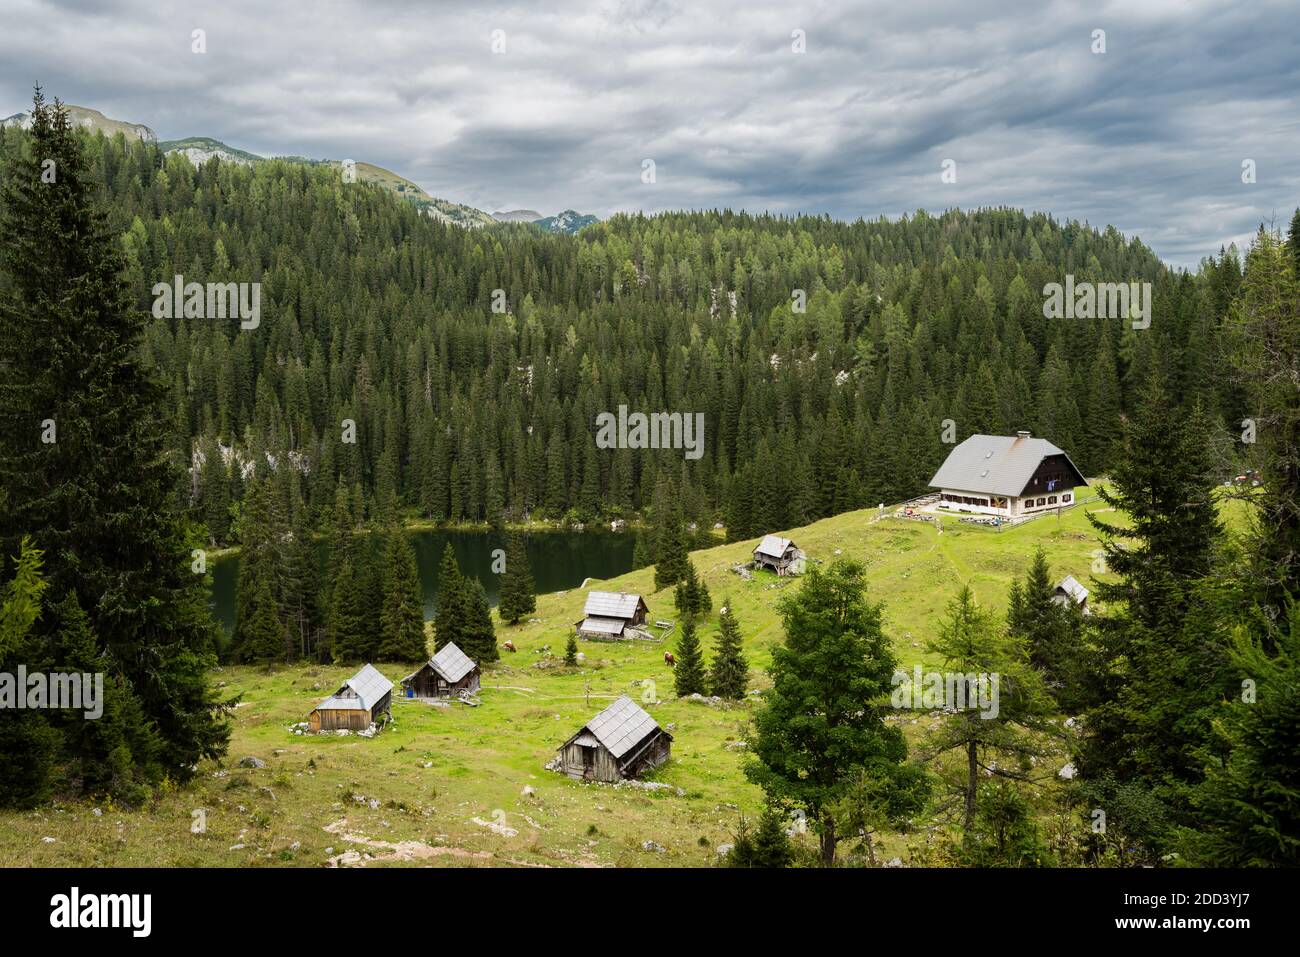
<point x="401" y="851"/>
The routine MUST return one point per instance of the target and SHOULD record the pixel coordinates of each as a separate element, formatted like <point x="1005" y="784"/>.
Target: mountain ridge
<point x="201" y="149"/>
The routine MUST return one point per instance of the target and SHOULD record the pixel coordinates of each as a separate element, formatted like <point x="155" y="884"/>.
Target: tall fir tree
<point x="85" y="437"/>
<point x="349" y="617"/>
<point x="1052" y="634"/>
<point x="480" y="639"/>
<point x="450" y="623"/>
<point x="401" y="621"/>
<point x="1161" y="670"/>
<point x="818" y="723"/>
<point x="518" y="595"/>
<point x="689" y="676"/>
<point x="729" y="672"/>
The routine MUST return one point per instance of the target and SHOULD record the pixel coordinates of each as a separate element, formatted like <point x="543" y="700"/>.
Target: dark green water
<point x="559" y="561"/>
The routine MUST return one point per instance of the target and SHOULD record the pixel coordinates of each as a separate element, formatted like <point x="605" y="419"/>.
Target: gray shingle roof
<point x="452" y="663"/>
<point x="994" y="464"/>
<point x="773" y="545"/>
<point x="361" y="692"/>
<point x="603" y="626"/>
<point x="622" y="726"/>
<point x="1070" y="585"/>
<point x="610" y="604"/>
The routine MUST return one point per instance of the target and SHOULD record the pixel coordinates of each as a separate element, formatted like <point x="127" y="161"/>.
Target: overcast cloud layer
<point x="1149" y="136"/>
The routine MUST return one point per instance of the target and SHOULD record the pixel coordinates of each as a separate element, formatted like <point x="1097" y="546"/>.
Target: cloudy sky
<point x="1149" y="136"/>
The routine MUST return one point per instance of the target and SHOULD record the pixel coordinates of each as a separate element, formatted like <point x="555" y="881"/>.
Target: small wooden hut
<point x="620" y="742"/>
<point x="447" y="674"/>
<point x="779" y="554"/>
<point x="356" y="706"/>
<point x="609" y="615"/>
<point x="1070" y="591"/>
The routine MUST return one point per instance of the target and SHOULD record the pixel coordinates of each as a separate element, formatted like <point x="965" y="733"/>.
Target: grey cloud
<point x="1148" y="137"/>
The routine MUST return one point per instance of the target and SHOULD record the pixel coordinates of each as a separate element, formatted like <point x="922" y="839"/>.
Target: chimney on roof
<point x="1022" y="434"/>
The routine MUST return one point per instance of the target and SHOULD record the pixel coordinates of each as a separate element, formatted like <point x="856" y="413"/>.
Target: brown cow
<point x="510" y="646"/>
<point x="669" y="660"/>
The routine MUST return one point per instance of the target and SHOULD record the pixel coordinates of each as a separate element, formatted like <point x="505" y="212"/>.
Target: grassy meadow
<point x="446" y="786"/>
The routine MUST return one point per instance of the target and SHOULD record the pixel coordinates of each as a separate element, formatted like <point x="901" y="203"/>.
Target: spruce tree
<point x="30" y="745"/>
<point x="571" y="652"/>
<point x="260" y="633"/>
<point x="671" y="550"/>
<point x="351" y="612"/>
<point x="479" y="635"/>
<point x="1052" y="634"/>
<point x="402" y="619"/>
<point x="1161" y="668"/>
<point x="1247" y="807"/>
<point x="688" y="671"/>
<point x="301" y="603"/>
<point x="1263" y="347"/>
<point x="691" y="595"/>
<point x="451" y="622"/>
<point x="518" y="593"/>
<point x="767" y="845"/>
<point x="771" y="842"/>
<point x="729" y="673"/>
<point x="101" y="498"/>
<point x="818" y="723"/>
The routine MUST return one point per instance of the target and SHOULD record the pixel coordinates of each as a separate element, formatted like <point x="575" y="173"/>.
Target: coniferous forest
<point x="408" y="370"/>
<point x="376" y="314"/>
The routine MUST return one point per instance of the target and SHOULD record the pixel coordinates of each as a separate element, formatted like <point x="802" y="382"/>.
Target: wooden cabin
<point x="779" y="554"/>
<point x="356" y="706"/>
<point x="1069" y="591"/>
<point x="611" y="615"/>
<point x="1011" y="476"/>
<point x="622" y="741"/>
<point x="447" y="674"/>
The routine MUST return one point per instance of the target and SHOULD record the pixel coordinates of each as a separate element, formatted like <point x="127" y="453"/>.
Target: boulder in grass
<point x="251" y="762"/>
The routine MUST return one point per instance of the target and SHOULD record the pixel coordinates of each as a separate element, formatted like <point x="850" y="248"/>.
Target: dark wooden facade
<point x="428" y="683"/>
<point x="586" y="759"/>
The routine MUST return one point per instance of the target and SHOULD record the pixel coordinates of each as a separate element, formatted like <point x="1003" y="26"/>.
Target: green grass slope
<point x="446" y="786"/>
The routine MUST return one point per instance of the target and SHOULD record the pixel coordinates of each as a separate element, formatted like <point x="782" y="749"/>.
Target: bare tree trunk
<point x="828" y="841"/>
<point x="972" y="779"/>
